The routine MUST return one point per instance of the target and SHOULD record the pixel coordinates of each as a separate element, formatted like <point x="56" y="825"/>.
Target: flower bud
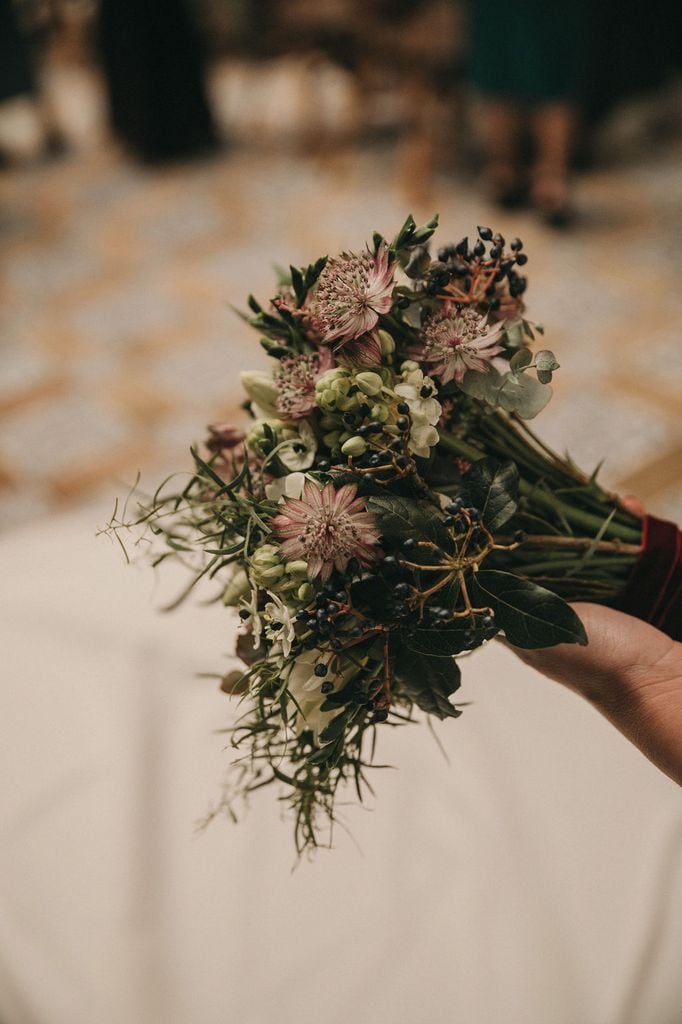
<point x="266" y="556"/>
<point x="305" y="592"/>
<point x="298" y="568"/>
<point x="354" y="446"/>
<point x="270" y="575"/>
<point x="326" y="398"/>
<point x="259" y="440"/>
<point x="370" y="383"/>
<point x="237" y="588"/>
<point x="380" y="412"/>
<point x="261" y="389"/>
<point x="341" y="386"/>
<point x="409" y="366"/>
<point x="329" y="376"/>
<point x="332" y="438"/>
<point x="386" y="343"/>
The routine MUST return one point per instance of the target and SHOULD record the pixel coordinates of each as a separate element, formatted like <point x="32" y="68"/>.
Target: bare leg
<point x="500" y="123"/>
<point x="553" y="127"/>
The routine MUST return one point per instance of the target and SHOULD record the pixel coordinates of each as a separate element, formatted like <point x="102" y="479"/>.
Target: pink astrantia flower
<point x="295" y="381"/>
<point x="352" y="293"/>
<point x="456" y="340"/>
<point x="326" y="528"/>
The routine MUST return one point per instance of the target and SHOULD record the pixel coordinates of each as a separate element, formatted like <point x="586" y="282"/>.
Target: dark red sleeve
<point x="654" y="591"/>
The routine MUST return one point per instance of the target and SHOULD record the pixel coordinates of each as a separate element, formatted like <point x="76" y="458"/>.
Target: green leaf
<point x="374" y="597"/>
<point x="428" y="681"/>
<point x="523" y="395"/>
<point x="298" y="285"/>
<point x="437" y="642"/>
<point x="313" y="271"/>
<point x="401" y="518"/>
<point x="493" y="488"/>
<point x="523" y="357"/>
<point x="530" y="616"/>
<point x="335" y="729"/>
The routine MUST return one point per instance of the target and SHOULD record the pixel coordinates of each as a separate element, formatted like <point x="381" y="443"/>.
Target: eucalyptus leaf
<point x="530" y="616"/>
<point x="523" y="395"/>
<point x="483" y="386"/>
<point x="546" y="360"/>
<point x="428" y="681"/>
<point x="523" y="357"/>
<point x="545" y="364"/>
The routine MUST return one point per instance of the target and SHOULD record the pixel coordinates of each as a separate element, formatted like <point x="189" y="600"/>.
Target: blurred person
<point x="153" y="65"/>
<point x="528" y="62"/>
<point x="27" y="130"/>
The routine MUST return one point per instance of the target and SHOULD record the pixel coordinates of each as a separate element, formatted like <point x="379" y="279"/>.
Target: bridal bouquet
<point x="387" y="509"/>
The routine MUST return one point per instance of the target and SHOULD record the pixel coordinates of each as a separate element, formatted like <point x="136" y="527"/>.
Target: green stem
<point x="576" y="517"/>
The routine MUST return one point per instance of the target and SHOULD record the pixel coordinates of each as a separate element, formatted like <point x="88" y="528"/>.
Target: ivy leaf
<point x="428" y="681"/>
<point x="402" y="518"/>
<point x="436" y="642"/>
<point x="374" y="597"/>
<point x="493" y="488"/>
<point x="530" y="616"/>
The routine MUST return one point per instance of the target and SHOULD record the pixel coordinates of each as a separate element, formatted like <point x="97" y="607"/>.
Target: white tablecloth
<point x="535" y="879"/>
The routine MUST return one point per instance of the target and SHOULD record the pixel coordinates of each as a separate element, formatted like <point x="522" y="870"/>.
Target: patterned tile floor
<point x="118" y="343"/>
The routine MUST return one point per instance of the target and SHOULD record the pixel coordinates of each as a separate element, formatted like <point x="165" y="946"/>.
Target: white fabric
<point x="535" y="879"/>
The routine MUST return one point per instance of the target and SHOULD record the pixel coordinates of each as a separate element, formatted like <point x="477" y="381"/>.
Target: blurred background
<point x="158" y="157"/>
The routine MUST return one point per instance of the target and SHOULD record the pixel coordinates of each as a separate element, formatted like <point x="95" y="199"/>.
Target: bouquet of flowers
<point x="388" y="509"/>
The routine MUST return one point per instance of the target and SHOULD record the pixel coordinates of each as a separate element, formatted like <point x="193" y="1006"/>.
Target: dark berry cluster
<point x="480" y="273"/>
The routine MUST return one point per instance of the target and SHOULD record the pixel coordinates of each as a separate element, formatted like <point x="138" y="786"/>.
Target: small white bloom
<point x="422" y="439"/>
<point x="254" y="620"/>
<point x="299" y="451"/>
<point x="279" y="624"/>
<point x="289" y="486"/>
<point x="418" y="392"/>
<point x="304" y="687"/>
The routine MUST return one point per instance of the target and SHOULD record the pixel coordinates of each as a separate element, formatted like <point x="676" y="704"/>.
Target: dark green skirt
<point x="530" y="50"/>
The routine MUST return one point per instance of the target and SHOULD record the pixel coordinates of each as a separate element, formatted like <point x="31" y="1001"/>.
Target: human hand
<point x="631" y="672"/>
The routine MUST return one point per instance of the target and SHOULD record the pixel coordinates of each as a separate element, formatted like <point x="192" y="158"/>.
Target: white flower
<point x="305" y="688"/>
<point x="289" y="486"/>
<point x="279" y="624"/>
<point x="418" y="392"/>
<point x="254" y="620"/>
<point x="298" y="451"/>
